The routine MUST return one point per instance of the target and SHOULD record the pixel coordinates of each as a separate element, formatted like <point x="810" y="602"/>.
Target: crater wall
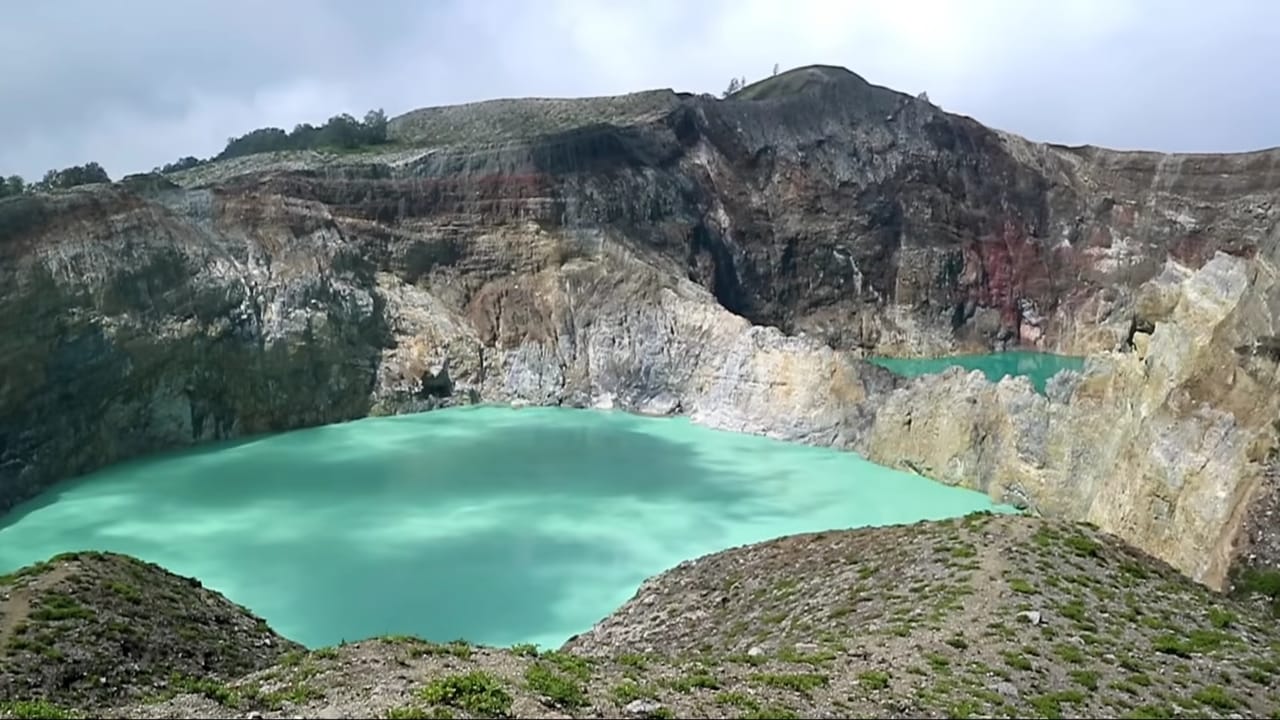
<point x="729" y="259"/>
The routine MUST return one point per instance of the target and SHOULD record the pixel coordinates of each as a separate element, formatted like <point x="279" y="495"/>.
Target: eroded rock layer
<point x="666" y="253"/>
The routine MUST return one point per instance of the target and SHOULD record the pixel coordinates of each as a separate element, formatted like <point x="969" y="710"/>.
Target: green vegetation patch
<point x="873" y="680"/>
<point x="799" y="682"/>
<point x="477" y="692"/>
<point x="560" y="688"/>
<point x="55" y="607"/>
<point x="32" y="709"/>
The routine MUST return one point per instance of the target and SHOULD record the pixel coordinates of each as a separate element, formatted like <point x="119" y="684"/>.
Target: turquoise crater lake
<point x="490" y="524"/>
<point x="1038" y="367"/>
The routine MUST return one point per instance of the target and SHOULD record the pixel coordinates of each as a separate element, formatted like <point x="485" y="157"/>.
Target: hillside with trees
<point x="341" y="132"/>
<point x="63" y="179"/>
<point x="12" y="185"/>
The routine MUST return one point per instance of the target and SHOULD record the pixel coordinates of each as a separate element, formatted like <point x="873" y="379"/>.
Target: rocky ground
<point x="985" y="616"/>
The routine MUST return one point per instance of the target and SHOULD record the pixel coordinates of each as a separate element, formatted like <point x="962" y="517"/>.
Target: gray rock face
<point x="729" y="260"/>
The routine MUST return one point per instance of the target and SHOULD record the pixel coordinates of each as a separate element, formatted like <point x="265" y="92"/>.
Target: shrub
<point x="476" y="692"/>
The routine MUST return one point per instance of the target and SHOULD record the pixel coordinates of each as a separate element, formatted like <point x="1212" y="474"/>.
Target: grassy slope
<point x="934" y="619"/>
<point x="494" y="121"/>
<point x="91" y="629"/>
<point x="794" y="82"/>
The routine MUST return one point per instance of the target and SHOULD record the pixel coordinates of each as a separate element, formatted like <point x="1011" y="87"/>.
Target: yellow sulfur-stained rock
<point x="1134" y="444"/>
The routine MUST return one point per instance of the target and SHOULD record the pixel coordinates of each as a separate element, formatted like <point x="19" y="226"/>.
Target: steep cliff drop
<point x="667" y="253"/>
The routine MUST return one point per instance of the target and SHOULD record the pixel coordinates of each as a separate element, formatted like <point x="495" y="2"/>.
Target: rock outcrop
<point x="667" y="253"/>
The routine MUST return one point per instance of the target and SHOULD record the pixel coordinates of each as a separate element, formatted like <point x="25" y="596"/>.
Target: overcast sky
<point x="137" y="83"/>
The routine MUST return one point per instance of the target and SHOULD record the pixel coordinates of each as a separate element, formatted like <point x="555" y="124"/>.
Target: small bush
<point x="629" y="690"/>
<point x="1050" y="705"/>
<point x="476" y="692"/>
<point x="1087" y="679"/>
<point x="56" y="607"/>
<point x="1262" y="582"/>
<point x="799" y="682"/>
<point x="1020" y="585"/>
<point x="567" y="662"/>
<point x="700" y="678"/>
<point x="873" y="680"/>
<point x="1069" y="653"/>
<point x="1017" y="661"/>
<point x="1221" y="619"/>
<point x="562" y="690"/>
<point x="33" y="709"/>
<point x="125" y="590"/>
<point x="1215" y="696"/>
<point x="1083" y="546"/>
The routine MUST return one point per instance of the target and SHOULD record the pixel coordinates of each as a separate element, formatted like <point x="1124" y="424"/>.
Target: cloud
<point x="143" y="82"/>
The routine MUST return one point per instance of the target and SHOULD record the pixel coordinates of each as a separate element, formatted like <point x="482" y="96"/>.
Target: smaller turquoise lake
<point x="495" y="525"/>
<point x="1038" y="367"/>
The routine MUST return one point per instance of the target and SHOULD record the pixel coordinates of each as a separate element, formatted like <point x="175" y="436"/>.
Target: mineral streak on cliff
<point x="665" y="252"/>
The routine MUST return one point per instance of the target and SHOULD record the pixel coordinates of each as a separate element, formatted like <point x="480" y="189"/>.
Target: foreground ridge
<point x="93" y="629"/>
<point x="993" y="616"/>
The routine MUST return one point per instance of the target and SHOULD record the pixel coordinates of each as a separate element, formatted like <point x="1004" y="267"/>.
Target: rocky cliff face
<point x="729" y="259"/>
<point x="1167" y="443"/>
